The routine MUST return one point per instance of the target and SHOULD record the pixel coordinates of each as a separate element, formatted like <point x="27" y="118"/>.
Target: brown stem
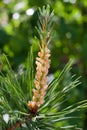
<point x="18" y="124"/>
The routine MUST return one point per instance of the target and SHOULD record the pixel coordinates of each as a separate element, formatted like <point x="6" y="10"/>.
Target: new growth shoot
<point x="43" y="59"/>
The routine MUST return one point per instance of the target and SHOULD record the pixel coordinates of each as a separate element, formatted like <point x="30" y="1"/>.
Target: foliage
<point x="16" y="91"/>
<point x="69" y="38"/>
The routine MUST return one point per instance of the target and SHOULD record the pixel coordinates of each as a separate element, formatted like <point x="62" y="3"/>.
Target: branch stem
<point x="18" y="124"/>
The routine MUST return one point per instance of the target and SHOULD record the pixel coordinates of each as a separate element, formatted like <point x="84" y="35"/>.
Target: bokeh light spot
<point x="30" y="12"/>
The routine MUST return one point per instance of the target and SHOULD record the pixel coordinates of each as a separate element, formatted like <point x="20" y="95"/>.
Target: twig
<point x="18" y="124"/>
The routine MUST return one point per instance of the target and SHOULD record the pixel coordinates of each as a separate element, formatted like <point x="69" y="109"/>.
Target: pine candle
<point x="43" y="64"/>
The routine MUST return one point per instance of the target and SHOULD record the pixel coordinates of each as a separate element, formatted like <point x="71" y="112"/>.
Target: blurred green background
<point x="18" y="19"/>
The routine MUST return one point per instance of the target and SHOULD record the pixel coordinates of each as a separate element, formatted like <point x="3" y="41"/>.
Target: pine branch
<point x="47" y="99"/>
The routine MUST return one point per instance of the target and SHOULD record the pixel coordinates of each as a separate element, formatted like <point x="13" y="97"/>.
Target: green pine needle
<point x="16" y="91"/>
